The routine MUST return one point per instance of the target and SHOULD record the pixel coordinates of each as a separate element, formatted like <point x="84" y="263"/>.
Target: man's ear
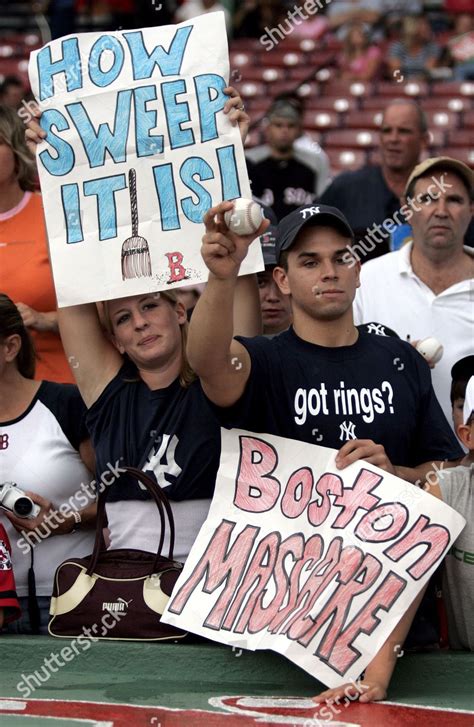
<point x="465" y="433"/>
<point x="281" y="279"/>
<point x="358" y="267"/>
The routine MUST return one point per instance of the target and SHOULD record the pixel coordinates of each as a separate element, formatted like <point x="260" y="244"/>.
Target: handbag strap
<point x="162" y="504"/>
<point x="155" y="489"/>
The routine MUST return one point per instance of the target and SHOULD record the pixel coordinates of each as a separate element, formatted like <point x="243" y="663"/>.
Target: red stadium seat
<point x="341" y="104"/>
<point x="453" y="88"/>
<point x="254" y="138"/>
<point x="348" y="88"/>
<point x="308" y="91"/>
<point x="321" y="120"/>
<point x="350" y="138"/>
<point x="279" y="87"/>
<point x="413" y="89"/>
<point x="442" y="119"/>
<point x="257" y="73"/>
<point x="239" y="58"/>
<point x="459" y="137"/>
<point x="246" y="44"/>
<point x="285" y="59"/>
<point x="463" y="153"/>
<point x="469" y="120"/>
<point x="252" y="88"/>
<point x="363" y="120"/>
<point x="346" y="159"/>
<point x="449" y="104"/>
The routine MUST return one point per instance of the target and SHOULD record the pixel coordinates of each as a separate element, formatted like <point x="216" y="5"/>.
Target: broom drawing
<point x="136" y="261"/>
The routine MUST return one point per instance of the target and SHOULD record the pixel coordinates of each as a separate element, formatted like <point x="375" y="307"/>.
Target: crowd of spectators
<point x="419" y="286"/>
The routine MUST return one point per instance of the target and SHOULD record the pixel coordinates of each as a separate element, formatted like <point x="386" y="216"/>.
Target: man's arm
<point x="222" y="364"/>
<point x="377" y="676"/>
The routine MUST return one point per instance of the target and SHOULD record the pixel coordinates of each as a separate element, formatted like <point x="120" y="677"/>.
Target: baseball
<point x="431" y="349"/>
<point x="245" y="218"/>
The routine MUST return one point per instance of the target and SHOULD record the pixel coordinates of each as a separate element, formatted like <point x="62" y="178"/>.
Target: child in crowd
<point x="9" y="606"/>
<point x="456" y="487"/>
<point x="460" y="375"/>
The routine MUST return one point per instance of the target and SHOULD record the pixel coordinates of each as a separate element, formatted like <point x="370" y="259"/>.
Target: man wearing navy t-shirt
<point x="323" y="380"/>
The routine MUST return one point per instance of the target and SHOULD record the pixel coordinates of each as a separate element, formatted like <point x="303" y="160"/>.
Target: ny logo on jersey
<point x="166" y="451"/>
<point x="347" y="431"/>
<point x="376" y="328"/>
<point x="310" y="211"/>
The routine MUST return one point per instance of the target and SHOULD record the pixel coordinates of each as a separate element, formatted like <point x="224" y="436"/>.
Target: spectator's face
<point x="458" y="405"/>
<point x="147" y="329"/>
<point x="401" y="139"/>
<point x="282" y="133"/>
<point x="12" y="97"/>
<point x="7" y="163"/>
<point x="275" y="306"/>
<point x="440" y="223"/>
<point x="321" y="282"/>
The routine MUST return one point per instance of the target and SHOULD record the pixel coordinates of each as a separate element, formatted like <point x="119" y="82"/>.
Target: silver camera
<point x="14" y="500"/>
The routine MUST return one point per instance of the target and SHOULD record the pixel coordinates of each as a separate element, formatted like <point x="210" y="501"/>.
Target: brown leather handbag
<point x="117" y="594"/>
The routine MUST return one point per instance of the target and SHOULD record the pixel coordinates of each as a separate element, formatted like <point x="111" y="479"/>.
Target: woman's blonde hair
<point x="186" y="375"/>
<point x="12" y="133"/>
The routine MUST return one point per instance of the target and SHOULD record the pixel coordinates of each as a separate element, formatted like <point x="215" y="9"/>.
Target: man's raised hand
<point x="222" y="250"/>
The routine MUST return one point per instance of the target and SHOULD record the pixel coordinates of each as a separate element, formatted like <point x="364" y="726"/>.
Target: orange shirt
<point x="25" y="276"/>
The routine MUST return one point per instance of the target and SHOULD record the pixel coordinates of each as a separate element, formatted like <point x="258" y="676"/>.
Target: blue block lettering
<point x="176" y="114"/>
<point x="145" y="120"/>
<point x="97" y="143"/>
<point x="72" y="212"/>
<point x="209" y="103"/>
<point x="166" y="191"/>
<point x="228" y="169"/>
<point x="191" y="168"/>
<point x="109" y="45"/>
<point x="64" y="161"/>
<point x="69" y="64"/>
<point x="169" y="62"/>
<point x="104" y="189"/>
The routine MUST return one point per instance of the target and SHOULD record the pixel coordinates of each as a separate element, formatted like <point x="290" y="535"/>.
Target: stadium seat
<point x="413" y="89"/>
<point x="341" y="104"/>
<point x="442" y="119"/>
<point x="252" y="88"/>
<point x="437" y="137"/>
<point x="239" y="58"/>
<point x="321" y="120"/>
<point x="449" y="104"/>
<point x="308" y="91"/>
<point x="463" y="153"/>
<point x="342" y="160"/>
<point x="459" y="137"/>
<point x="348" y="88"/>
<point x="363" y="120"/>
<point x="285" y="59"/>
<point x="469" y="120"/>
<point x="350" y="138"/>
<point x="258" y="73"/>
<point x="453" y="88"/>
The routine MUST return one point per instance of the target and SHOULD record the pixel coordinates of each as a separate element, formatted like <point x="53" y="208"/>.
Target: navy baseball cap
<point x="317" y="214"/>
<point x="463" y="369"/>
<point x="267" y="243"/>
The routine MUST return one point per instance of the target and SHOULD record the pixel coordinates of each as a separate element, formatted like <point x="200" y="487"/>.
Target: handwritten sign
<point x="316" y="563"/>
<point x="137" y="150"/>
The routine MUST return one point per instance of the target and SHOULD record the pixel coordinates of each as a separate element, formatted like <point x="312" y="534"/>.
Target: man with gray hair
<point x="290" y="169"/>
<point x="425" y="288"/>
<point x="370" y="195"/>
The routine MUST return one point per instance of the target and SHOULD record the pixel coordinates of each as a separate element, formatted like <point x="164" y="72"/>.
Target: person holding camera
<point x="43" y="455"/>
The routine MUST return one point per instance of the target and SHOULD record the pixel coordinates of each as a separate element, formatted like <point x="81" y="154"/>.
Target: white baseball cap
<point x="468" y="407"/>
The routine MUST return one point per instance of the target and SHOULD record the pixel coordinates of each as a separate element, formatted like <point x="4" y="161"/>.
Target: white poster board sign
<point x="138" y="148"/>
<point x="316" y="563"/>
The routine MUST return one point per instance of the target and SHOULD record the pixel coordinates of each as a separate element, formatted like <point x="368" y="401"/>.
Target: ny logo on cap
<point x="310" y="211"/>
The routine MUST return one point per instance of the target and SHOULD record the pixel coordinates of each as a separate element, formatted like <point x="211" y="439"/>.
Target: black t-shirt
<point x="365" y="199"/>
<point x="282" y="184"/>
<point x="170" y="432"/>
<point x="379" y="388"/>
